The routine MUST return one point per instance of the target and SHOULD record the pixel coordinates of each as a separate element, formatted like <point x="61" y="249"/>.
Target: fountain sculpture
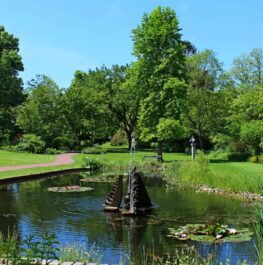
<point x="137" y="200"/>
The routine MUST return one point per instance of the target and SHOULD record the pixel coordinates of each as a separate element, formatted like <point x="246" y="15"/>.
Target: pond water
<point x="79" y="217"/>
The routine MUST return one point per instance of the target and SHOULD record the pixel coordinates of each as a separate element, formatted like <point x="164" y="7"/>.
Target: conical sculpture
<point x="137" y="200"/>
<point x="113" y="202"/>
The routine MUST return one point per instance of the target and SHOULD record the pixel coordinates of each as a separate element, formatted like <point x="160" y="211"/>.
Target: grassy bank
<point x="229" y="176"/>
<point x="14" y="159"/>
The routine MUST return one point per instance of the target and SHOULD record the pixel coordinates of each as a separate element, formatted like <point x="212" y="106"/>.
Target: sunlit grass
<point x="13" y="158"/>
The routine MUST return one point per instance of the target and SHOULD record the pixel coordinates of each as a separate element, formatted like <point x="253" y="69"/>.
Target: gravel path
<point x="64" y="159"/>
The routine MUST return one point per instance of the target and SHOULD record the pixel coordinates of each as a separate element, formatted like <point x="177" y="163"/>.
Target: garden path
<point x="63" y="159"/>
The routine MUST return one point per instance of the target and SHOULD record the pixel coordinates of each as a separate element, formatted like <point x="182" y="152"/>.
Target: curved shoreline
<point x="248" y="196"/>
<point x="41" y="175"/>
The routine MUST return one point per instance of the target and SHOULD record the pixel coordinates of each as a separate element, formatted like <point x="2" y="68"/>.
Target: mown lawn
<point x="230" y="176"/>
<point x="114" y="154"/>
<point x="237" y="169"/>
<point x="237" y="176"/>
<point x="13" y="158"/>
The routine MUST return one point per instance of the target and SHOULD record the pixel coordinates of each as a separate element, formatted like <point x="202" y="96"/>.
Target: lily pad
<point x="101" y="179"/>
<point x="210" y="233"/>
<point x="74" y="188"/>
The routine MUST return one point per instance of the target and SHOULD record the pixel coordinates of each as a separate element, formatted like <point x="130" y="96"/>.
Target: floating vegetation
<point x="74" y="188"/>
<point x="109" y="178"/>
<point x="210" y="233"/>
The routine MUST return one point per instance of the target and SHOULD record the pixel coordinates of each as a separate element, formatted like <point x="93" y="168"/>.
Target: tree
<point x="205" y="108"/>
<point x="247" y="69"/>
<point x="161" y="61"/>
<point x="85" y="109"/>
<point x="11" y="93"/>
<point x="124" y="98"/>
<point x="252" y="134"/>
<point x="246" y="107"/>
<point x="40" y="114"/>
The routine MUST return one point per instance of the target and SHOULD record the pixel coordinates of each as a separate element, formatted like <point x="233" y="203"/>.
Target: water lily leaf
<point x="219" y="230"/>
<point x="202" y="238"/>
<point x="210" y="233"/>
<point x="74" y="188"/>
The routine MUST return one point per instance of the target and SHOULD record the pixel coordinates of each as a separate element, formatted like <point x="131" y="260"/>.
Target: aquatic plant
<point x="259" y="235"/>
<point x="74" y="188"/>
<point x="79" y="252"/>
<point x="35" y="249"/>
<point x="210" y="233"/>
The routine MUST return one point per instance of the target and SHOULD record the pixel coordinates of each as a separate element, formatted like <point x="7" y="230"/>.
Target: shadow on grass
<point x="117" y="150"/>
<point x="219" y="161"/>
<point x="126" y="150"/>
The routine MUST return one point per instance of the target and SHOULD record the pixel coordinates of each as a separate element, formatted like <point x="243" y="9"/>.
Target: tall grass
<point x="182" y="256"/>
<point x="79" y="252"/>
<point x="97" y="164"/>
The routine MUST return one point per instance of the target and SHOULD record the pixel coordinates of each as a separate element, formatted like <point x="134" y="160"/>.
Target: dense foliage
<point x="171" y="92"/>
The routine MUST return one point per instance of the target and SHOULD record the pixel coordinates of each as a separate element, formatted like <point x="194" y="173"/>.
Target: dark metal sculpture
<point x="136" y="201"/>
<point x="113" y="202"/>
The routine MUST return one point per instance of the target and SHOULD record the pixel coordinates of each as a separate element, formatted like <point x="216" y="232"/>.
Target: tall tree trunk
<point x="129" y="137"/>
<point x="160" y="150"/>
<point x="201" y="142"/>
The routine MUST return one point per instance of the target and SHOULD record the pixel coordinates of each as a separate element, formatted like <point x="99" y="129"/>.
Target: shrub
<point x="53" y="151"/>
<point x="220" y="154"/>
<point x="31" y="143"/>
<point x="118" y="139"/>
<point x="92" y="150"/>
<point x="11" y="148"/>
<point x="256" y="159"/>
<point x="238" y="157"/>
<point x="92" y="163"/>
<point x="202" y="169"/>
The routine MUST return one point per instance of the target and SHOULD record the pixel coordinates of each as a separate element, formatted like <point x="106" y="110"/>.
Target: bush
<point x="92" y="163"/>
<point x="11" y="148"/>
<point x="93" y="150"/>
<point x="218" y="154"/>
<point x="238" y="157"/>
<point x="31" y="143"/>
<point x="118" y="139"/>
<point x="256" y="159"/>
<point x="53" y="151"/>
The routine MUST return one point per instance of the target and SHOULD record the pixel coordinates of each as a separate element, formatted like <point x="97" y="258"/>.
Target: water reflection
<point x="79" y="216"/>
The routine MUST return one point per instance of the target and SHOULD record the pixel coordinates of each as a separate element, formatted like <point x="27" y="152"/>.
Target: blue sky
<point x="58" y="37"/>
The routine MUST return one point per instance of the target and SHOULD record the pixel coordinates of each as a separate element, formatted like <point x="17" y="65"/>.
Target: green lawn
<point x="115" y="154"/>
<point x="13" y="158"/>
<point x="231" y="176"/>
<point x="237" y="169"/>
<point x="237" y="176"/>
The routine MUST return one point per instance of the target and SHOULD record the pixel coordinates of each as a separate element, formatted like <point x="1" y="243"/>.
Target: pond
<point x="79" y="217"/>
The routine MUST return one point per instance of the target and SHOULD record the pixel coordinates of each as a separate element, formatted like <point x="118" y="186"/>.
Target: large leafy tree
<point x="247" y="69"/>
<point x="161" y="63"/>
<point x="41" y="113"/>
<point x="124" y="99"/>
<point x="85" y="109"/>
<point x="246" y="113"/>
<point x="206" y="103"/>
<point x="11" y="93"/>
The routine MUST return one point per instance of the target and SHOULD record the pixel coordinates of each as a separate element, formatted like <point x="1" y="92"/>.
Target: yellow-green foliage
<point x="256" y="159"/>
